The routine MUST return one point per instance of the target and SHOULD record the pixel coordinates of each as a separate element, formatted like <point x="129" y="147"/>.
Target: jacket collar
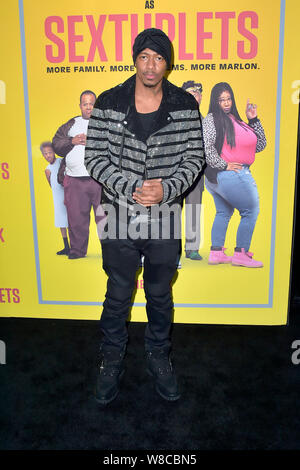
<point x="126" y="103"/>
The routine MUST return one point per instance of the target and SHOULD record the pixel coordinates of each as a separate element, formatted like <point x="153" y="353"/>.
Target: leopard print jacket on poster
<point x="213" y="160"/>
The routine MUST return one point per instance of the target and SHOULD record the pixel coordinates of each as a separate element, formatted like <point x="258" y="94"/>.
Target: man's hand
<point x="150" y="193"/>
<point x="79" y="139"/>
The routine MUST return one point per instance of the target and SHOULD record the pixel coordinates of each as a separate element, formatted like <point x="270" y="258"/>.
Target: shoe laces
<point x="111" y="363"/>
<point x="161" y="362"/>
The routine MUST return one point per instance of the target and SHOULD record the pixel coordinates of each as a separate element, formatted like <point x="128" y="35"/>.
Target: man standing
<point x="81" y="191"/>
<point x="193" y="196"/>
<point x="144" y="145"/>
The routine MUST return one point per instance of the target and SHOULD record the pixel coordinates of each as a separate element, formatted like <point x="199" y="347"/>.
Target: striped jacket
<point x="174" y="151"/>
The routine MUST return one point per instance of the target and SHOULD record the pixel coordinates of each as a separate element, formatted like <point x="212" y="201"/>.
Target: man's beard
<point x="152" y="85"/>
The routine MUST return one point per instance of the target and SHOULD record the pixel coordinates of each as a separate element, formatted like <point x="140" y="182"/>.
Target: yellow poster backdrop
<point x="57" y="50"/>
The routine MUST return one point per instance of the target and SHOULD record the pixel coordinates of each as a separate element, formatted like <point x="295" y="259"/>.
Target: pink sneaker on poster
<point x="242" y="258"/>
<point x="219" y="257"/>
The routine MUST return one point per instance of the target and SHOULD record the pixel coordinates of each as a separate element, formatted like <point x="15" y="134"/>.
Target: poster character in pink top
<point x="230" y="147"/>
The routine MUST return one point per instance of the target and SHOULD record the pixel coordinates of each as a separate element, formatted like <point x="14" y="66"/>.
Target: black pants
<point x="121" y="259"/>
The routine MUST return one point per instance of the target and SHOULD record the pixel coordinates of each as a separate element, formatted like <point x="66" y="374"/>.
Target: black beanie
<point x="154" y="39"/>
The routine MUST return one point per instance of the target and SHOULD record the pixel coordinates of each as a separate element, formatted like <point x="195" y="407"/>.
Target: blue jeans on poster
<point x="234" y="190"/>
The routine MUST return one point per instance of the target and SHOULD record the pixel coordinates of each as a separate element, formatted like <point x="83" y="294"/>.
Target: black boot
<point x="159" y="365"/>
<point x="111" y="371"/>
<point x="66" y="249"/>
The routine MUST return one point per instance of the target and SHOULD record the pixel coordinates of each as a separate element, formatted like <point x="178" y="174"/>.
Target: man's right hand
<point x="79" y="139"/>
<point x="150" y="193"/>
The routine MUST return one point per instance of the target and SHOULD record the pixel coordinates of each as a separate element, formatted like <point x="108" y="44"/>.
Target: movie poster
<point x="65" y="48"/>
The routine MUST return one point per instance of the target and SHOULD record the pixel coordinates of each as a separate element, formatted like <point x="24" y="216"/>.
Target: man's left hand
<point x="150" y="193"/>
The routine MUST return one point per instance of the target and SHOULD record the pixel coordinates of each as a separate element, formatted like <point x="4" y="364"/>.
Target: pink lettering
<point x="160" y="18"/>
<point x="202" y="35"/>
<point x="147" y="20"/>
<point x="224" y="17"/>
<point x="118" y="19"/>
<point x="134" y="18"/>
<point x="61" y="36"/>
<point x="73" y="38"/>
<point x="5" y="171"/>
<point x="140" y="284"/>
<point x="55" y="39"/>
<point x="96" y="38"/>
<point x="182" y="54"/>
<point x="16" y="296"/>
<point x="247" y="34"/>
<point x="8" y="295"/>
<point x="134" y="28"/>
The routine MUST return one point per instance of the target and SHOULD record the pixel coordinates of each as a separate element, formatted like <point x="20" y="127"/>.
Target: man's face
<point x="48" y="154"/>
<point x="150" y="68"/>
<point x="86" y="105"/>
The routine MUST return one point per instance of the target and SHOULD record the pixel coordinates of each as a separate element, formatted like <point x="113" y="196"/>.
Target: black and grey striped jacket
<point x="174" y="151"/>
